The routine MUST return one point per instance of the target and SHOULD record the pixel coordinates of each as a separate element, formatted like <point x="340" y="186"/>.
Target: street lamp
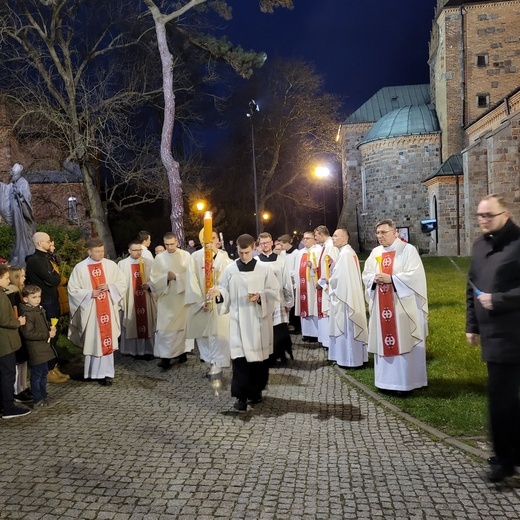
<point x="253" y="108"/>
<point x="201" y="205"/>
<point x="323" y="173"/>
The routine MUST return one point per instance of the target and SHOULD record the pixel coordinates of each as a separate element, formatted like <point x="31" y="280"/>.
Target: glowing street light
<point x="201" y="205"/>
<point x="322" y="172"/>
<point x="266" y="216"/>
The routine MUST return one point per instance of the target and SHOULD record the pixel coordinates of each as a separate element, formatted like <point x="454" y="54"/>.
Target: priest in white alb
<point x="305" y="275"/>
<point x="395" y="285"/>
<point x="326" y="257"/>
<point x="96" y="288"/>
<point x="348" y="328"/>
<point x="168" y="277"/>
<point x="139" y="312"/>
<point x="210" y="329"/>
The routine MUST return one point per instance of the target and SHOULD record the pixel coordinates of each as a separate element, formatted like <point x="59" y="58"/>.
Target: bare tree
<point x="240" y="60"/>
<point x="294" y="131"/>
<point x="59" y="61"/>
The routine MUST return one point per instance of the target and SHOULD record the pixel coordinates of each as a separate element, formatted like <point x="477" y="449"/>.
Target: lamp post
<point x="253" y="108"/>
<point x="323" y="173"/>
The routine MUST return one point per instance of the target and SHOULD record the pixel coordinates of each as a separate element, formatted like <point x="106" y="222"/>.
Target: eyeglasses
<point x="378" y="233"/>
<point x="136" y="250"/>
<point x="308" y="238"/>
<point x="488" y="216"/>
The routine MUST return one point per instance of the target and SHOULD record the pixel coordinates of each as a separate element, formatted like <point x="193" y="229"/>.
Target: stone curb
<point x="408" y="418"/>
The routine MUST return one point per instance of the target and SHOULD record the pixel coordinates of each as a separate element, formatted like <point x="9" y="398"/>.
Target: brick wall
<point x="492" y="165"/>
<point x="351" y="135"/>
<point x="493" y="31"/>
<point x="442" y="191"/>
<point x="394" y="171"/>
<point x="446" y="62"/>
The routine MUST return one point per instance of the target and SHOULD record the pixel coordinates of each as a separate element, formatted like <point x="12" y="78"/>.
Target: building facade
<point x="474" y="64"/>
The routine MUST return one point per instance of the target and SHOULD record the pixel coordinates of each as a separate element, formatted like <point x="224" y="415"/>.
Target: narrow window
<point x="482" y="60"/>
<point x="482" y="100"/>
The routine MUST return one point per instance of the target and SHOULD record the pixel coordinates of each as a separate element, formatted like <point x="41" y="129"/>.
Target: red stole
<point x="304" y="307"/>
<point x="385" y="293"/>
<point x="97" y="277"/>
<point x="140" y="308"/>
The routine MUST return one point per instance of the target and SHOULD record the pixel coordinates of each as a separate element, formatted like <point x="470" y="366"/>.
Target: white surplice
<point x="348" y="328"/>
<point x="130" y="343"/>
<point x="407" y="370"/>
<point x="328" y="254"/>
<point x="310" y="321"/>
<point x="83" y="327"/>
<point x="171" y="312"/>
<point x="210" y="329"/>
<point x="251" y="323"/>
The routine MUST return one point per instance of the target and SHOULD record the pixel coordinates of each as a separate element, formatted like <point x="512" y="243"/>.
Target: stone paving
<point x="160" y="445"/>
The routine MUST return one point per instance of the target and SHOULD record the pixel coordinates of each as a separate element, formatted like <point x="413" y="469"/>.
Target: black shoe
<point x="255" y="400"/>
<point x="183" y="358"/>
<point x="23" y="397"/>
<point x="164" y="363"/>
<point x="240" y="405"/>
<point x="15" y="412"/>
<point x="105" y="382"/>
<point x="499" y="472"/>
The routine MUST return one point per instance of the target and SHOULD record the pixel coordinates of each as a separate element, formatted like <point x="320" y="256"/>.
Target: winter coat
<point x="9" y="338"/>
<point x="36" y="334"/>
<point x="495" y="269"/>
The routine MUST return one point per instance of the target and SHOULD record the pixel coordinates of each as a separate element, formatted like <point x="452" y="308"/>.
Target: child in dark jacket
<point x="37" y="333"/>
<point x="9" y="343"/>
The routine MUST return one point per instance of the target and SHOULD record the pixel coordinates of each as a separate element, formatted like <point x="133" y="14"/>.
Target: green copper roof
<point x="388" y="99"/>
<point x="410" y="120"/>
<point x="451" y="166"/>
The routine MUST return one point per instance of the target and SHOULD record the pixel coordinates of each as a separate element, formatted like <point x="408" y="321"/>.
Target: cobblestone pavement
<point x="160" y="445"/>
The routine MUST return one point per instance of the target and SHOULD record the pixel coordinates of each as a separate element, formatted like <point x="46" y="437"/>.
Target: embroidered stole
<point x="385" y="294"/>
<point x="97" y="277"/>
<point x="140" y="308"/>
<point x="304" y="304"/>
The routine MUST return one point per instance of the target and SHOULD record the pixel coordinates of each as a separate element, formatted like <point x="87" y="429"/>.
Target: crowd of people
<point x="240" y="302"/>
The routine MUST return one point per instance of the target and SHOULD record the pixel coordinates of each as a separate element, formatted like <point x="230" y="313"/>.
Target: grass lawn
<point x="455" y="399"/>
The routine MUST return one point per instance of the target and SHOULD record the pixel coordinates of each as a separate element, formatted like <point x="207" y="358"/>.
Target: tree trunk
<point x="170" y="164"/>
<point x="97" y="212"/>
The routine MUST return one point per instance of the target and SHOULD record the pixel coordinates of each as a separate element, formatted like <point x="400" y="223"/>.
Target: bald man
<point x="40" y="272"/>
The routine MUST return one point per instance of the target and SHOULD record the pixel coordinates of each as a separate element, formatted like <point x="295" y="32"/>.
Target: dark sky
<point x="359" y="46"/>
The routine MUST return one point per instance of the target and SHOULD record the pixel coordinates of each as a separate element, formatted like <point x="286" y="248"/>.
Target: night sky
<point x="358" y="46"/>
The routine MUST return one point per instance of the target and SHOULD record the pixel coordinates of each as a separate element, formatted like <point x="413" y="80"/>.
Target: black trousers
<point x="504" y="410"/>
<point x="249" y="378"/>
<point x="52" y="310"/>
<point x="7" y="377"/>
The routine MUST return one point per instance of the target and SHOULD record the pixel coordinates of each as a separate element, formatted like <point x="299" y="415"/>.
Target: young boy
<point x="37" y="333"/>
<point x="9" y="343"/>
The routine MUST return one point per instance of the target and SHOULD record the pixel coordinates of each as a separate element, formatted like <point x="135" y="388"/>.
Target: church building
<point x="430" y="152"/>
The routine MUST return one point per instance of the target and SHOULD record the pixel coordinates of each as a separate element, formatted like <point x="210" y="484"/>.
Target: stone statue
<point x="16" y="210"/>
